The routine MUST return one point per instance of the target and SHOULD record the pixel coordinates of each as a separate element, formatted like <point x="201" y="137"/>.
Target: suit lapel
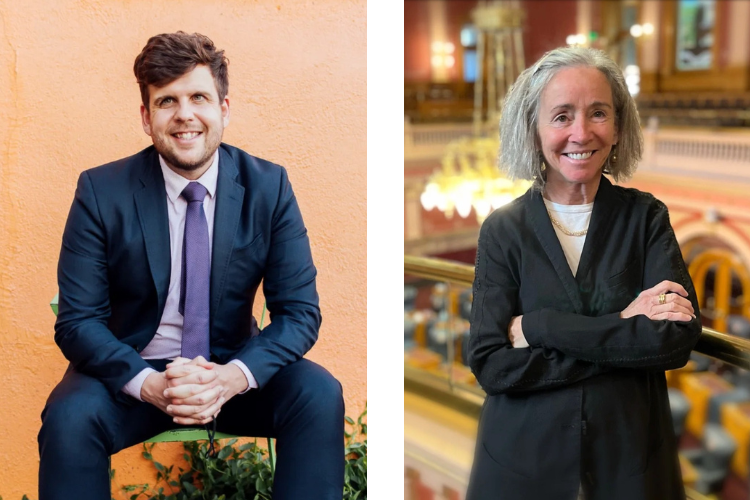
<point x="229" y="196"/>
<point x="151" y="206"/>
<point x="599" y="227"/>
<point x="544" y="231"/>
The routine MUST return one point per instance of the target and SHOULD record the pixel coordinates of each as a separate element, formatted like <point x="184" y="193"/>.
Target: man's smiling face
<point x="186" y="121"/>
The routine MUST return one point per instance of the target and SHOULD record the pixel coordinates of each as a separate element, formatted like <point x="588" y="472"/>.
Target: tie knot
<point x="194" y="192"/>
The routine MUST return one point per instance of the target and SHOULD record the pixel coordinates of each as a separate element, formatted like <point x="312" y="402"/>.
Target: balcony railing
<point x="726" y="348"/>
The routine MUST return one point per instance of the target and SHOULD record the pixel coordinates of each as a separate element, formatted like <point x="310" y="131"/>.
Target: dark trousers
<point x="301" y="406"/>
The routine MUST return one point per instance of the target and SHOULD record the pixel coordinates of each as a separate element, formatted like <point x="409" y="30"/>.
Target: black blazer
<point x="587" y="401"/>
<point x="114" y="268"/>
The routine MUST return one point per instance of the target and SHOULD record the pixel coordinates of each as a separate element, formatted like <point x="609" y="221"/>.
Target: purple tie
<point x="196" y="272"/>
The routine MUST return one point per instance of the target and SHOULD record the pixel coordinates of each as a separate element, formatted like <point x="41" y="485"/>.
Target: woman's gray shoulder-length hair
<point x="520" y="155"/>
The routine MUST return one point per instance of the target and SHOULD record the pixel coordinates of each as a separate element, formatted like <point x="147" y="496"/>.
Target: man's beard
<point x="163" y="148"/>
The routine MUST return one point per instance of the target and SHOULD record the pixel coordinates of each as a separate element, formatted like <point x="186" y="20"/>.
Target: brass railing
<point x="468" y="399"/>
<point x="727" y="348"/>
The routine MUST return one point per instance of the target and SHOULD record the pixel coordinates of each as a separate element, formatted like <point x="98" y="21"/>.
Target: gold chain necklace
<point x="564" y="229"/>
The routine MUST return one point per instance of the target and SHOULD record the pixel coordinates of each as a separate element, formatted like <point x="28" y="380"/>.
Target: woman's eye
<point x="561" y="118"/>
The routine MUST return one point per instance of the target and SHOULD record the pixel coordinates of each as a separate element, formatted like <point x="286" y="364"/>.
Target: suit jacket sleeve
<point x="636" y="342"/>
<point x="498" y="366"/>
<point x="290" y="293"/>
<point x="81" y="329"/>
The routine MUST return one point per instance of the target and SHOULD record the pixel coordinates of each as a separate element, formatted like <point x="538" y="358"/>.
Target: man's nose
<point x="184" y="111"/>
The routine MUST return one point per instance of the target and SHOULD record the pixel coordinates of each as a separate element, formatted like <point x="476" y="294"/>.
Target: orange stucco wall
<point x="68" y="102"/>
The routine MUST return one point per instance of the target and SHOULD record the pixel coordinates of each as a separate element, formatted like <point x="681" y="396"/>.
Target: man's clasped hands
<point x="193" y="391"/>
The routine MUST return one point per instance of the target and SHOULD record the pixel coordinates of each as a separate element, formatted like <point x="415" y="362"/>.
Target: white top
<point x="574" y="218"/>
<point x="167" y="343"/>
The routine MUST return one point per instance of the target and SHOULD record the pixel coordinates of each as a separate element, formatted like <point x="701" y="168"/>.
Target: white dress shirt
<point x="167" y="343"/>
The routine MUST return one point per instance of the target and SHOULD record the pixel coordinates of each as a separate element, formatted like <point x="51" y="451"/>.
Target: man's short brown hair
<point x="168" y="56"/>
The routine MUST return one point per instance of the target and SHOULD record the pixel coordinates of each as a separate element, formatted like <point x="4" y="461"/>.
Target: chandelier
<point x="469" y="177"/>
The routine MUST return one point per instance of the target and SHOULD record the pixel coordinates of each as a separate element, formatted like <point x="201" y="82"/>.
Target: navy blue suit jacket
<point x="114" y="268"/>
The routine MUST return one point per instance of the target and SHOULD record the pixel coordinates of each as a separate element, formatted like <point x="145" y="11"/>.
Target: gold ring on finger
<point x="662" y="298"/>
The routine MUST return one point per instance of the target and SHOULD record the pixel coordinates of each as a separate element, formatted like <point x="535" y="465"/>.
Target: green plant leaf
<point x="225" y="452"/>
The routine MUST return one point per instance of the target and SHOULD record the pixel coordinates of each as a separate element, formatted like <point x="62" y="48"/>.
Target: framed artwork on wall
<point x="696" y="21"/>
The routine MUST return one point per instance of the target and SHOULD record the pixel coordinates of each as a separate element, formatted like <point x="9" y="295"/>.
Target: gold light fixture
<point x="469" y="177"/>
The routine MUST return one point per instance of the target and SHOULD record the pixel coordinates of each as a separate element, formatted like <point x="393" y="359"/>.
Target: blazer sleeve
<point x="290" y="292"/>
<point x="636" y="342"/>
<point x="81" y="329"/>
<point x="498" y="366"/>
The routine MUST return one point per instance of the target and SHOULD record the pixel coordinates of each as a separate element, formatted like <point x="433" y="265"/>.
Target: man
<point x="161" y="258"/>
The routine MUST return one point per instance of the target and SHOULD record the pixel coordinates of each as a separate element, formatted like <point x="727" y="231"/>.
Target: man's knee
<point x="72" y="416"/>
<point x="325" y="389"/>
<point x="316" y="390"/>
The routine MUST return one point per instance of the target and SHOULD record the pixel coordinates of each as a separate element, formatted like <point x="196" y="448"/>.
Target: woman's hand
<point x="676" y="306"/>
<point x="515" y="332"/>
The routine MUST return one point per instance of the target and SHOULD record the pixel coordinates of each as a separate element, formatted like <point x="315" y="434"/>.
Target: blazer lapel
<point x="544" y="231"/>
<point x="599" y="226"/>
<point x="151" y="206"/>
<point x="229" y="196"/>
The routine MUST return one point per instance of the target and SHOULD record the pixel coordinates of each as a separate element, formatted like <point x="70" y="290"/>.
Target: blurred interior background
<point x="687" y="63"/>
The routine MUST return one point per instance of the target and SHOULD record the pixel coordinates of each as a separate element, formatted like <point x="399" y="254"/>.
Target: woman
<point x="581" y="300"/>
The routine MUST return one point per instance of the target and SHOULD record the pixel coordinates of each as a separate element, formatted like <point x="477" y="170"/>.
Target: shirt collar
<point x="175" y="183"/>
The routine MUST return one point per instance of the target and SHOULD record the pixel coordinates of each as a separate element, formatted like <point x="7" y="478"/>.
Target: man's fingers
<point x="180" y="371"/>
<point x="199" y="377"/>
<point x="203" y="398"/>
<point x="196" y="412"/>
<point x="178" y="361"/>
<point x="186" y="390"/>
<point x="208" y="413"/>
<point x="201" y="361"/>
<point x="192" y="421"/>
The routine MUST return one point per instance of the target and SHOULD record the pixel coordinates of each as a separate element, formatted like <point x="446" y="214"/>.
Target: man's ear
<point x="225" y="110"/>
<point x="146" y="120"/>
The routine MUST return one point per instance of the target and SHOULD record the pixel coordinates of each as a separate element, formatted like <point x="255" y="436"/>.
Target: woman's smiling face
<point x="576" y="126"/>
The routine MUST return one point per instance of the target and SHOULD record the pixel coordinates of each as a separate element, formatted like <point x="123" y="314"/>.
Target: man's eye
<point x="166" y="100"/>
<point x="199" y="97"/>
<point x="600" y="114"/>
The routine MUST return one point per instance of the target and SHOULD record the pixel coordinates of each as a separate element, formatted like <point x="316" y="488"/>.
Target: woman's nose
<point x="581" y="131"/>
